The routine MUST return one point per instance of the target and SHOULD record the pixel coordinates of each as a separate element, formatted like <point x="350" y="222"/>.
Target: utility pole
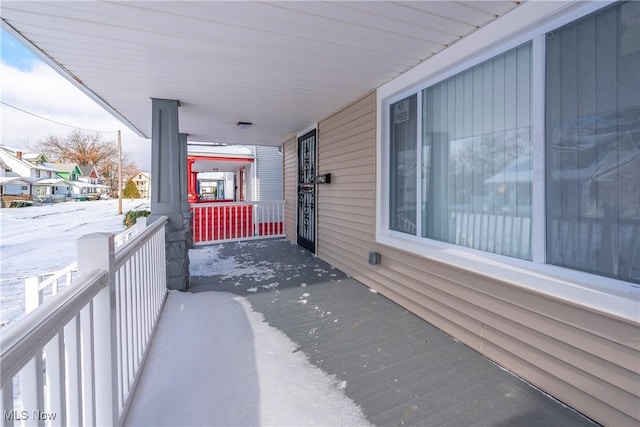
<point x="119" y="174"/>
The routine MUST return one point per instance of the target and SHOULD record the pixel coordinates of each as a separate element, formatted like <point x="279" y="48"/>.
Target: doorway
<point x="307" y="191"/>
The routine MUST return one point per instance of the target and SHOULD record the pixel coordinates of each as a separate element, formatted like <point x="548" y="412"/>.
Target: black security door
<point x="307" y="191"/>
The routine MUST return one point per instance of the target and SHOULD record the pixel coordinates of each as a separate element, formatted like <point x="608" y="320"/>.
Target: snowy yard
<point x="42" y="239"/>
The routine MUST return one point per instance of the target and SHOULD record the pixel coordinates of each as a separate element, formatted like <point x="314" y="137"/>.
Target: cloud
<point x="42" y="91"/>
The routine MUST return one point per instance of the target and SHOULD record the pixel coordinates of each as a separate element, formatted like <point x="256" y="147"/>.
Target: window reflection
<point x="476" y="181"/>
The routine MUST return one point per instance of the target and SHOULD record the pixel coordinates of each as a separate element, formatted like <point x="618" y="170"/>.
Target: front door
<point x="307" y="191"/>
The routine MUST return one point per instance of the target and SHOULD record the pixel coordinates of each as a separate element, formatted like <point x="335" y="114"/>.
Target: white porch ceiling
<point x="219" y="165"/>
<point x="280" y="65"/>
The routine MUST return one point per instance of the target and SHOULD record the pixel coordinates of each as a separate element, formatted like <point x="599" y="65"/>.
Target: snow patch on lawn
<point x="215" y="361"/>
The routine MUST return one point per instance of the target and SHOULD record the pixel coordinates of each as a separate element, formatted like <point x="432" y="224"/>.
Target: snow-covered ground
<point x="215" y="361"/>
<point x="42" y="239"/>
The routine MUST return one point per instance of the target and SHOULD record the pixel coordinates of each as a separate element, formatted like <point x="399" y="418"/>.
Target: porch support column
<point x="186" y="208"/>
<point x="184" y="173"/>
<point x="167" y="195"/>
<point x="192" y="181"/>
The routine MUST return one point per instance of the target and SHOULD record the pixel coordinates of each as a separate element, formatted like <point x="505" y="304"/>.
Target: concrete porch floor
<point x="398" y="368"/>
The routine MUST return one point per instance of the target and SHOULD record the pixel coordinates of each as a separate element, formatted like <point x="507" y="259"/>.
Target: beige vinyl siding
<point x="585" y="358"/>
<point x="290" y="165"/>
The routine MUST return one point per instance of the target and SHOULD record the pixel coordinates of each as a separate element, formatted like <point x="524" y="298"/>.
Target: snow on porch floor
<point x="214" y="361"/>
<point x="397" y="368"/>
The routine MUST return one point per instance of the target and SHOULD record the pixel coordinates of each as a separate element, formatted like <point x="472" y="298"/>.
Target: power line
<point x="54" y="121"/>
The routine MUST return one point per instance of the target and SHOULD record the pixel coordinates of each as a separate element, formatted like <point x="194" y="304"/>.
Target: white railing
<point x="37" y="288"/>
<point x="131" y="232"/>
<point x="502" y="234"/>
<point x="140" y="291"/>
<point x="75" y="359"/>
<point x="221" y="222"/>
<point x="61" y="329"/>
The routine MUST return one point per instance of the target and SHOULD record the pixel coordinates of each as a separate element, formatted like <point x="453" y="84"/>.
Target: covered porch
<point x="331" y="84"/>
<point x="397" y="368"/>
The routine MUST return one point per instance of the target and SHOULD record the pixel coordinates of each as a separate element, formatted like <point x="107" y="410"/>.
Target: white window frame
<point x="585" y="288"/>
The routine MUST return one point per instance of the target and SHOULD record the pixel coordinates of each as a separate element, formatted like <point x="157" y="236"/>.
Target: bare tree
<point x="89" y="149"/>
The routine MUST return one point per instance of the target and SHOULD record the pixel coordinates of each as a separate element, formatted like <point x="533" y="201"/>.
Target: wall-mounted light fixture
<point x="244" y="125"/>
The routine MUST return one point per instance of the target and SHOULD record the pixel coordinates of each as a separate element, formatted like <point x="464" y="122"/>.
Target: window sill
<point x="613" y="297"/>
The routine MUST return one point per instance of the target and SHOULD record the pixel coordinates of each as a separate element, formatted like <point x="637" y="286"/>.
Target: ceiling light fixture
<point x="244" y="125"/>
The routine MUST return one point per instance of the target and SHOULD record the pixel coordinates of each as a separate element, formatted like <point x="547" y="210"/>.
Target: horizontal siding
<point x="585" y="358"/>
<point x="363" y="152"/>
<point x="289" y="166"/>
<point x="346" y="163"/>
<point x="339" y="222"/>
<point x="361" y="127"/>
<point x="269" y="173"/>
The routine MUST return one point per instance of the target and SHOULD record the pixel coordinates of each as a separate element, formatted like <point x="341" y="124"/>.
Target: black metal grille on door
<point x="307" y="191"/>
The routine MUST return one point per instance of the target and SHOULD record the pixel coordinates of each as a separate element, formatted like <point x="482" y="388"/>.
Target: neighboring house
<point x="80" y="189"/>
<point x="35" y="158"/>
<point x="142" y="180"/>
<point x="32" y="167"/>
<point x="18" y="163"/>
<point x="266" y="174"/>
<point x="218" y="172"/>
<point x="68" y="171"/>
<point x="90" y="175"/>
<point x="4" y="169"/>
<point x="12" y="184"/>
<point x="235" y="173"/>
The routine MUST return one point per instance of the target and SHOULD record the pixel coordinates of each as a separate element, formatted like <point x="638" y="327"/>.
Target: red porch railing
<point x="220" y="222"/>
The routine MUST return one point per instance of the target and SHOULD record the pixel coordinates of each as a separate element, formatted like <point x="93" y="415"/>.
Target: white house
<point x="142" y="180"/>
<point x="32" y="167"/>
<point x="11" y="183"/>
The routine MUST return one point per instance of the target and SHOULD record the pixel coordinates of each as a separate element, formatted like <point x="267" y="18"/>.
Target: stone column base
<point x="177" y="245"/>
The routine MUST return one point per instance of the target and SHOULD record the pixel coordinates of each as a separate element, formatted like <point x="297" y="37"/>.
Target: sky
<point x="29" y="84"/>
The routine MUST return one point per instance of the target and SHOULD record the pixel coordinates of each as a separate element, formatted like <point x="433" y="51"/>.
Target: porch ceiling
<point x="280" y="65"/>
<point x="205" y="165"/>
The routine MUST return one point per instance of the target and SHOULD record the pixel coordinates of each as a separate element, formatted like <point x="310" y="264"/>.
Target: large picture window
<point x="476" y="156"/>
<point x="536" y="159"/>
<point x="593" y="143"/>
